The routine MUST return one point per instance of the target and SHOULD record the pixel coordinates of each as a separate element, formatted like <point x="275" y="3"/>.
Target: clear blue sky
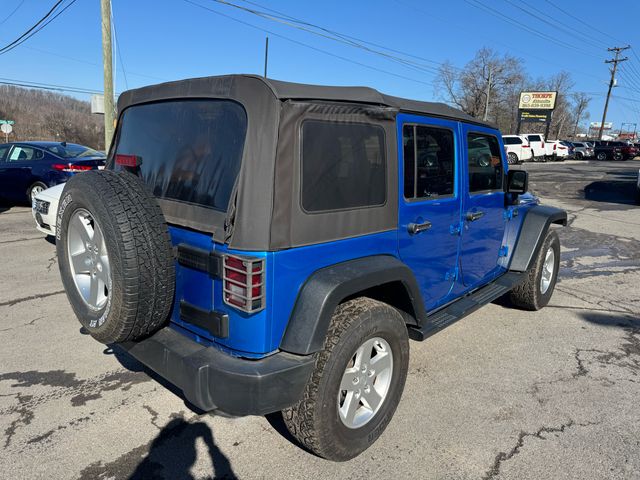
<point x="171" y="39"/>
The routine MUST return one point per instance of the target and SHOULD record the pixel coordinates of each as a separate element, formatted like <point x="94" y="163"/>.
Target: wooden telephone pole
<point x="615" y="62"/>
<point x="107" y="61"/>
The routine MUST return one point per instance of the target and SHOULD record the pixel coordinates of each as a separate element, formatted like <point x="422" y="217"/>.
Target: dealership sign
<point x="537" y="100"/>
<point x="535" y="116"/>
<point x="607" y="125"/>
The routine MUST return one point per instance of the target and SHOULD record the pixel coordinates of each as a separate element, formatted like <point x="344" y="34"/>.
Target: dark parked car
<point x="27" y="168"/>
<point x="613" y="150"/>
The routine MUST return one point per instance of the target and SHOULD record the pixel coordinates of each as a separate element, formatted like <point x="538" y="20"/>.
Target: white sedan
<point x="45" y="209"/>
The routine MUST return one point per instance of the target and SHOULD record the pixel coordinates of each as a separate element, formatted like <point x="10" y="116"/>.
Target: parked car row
<point x="534" y="148"/>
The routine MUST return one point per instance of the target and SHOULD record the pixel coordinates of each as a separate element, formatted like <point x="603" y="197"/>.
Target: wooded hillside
<point x="42" y="115"/>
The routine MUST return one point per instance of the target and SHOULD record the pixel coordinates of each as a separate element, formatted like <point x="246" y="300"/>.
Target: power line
<point x="118" y="46"/>
<point x="355" y="62"/>
<point x="12" y="12"/>
<point x="33" y="30"/>
<point x="581" y="21"/>
<point x="559" y="25"/>
<point x="46" y="86"/>
<point x="478" y="4"/>
<point x="330" y="35"/>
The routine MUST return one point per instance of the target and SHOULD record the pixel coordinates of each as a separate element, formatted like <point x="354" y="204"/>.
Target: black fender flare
<point x="326" y="288"/>
<point x="533" y="231"/>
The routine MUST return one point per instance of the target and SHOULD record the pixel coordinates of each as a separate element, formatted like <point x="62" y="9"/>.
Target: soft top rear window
<point x="191" y="150"/>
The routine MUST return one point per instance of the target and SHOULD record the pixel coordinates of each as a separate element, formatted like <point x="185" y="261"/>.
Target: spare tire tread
<point x="140" y="253"/>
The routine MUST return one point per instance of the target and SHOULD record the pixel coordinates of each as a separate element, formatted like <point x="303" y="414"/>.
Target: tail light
<point x="243" y="279"/>
<point x="554" y="147"/>
<point x="131" y="161"/>
<point x="70" y="167"/>
<point x="526" y="146"/>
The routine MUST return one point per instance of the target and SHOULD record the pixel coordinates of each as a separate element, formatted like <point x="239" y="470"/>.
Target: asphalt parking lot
<point x="501" y="394"/>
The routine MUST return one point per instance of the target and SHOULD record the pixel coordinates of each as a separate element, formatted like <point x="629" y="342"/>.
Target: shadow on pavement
<point x="173" y="452"/>
<point x="628" y="321"/>
<point x="619" y="187"/>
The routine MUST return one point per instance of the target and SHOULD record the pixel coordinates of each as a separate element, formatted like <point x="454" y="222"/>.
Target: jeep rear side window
<point x="534" y="138"/>
<point x="191" y="150"/>
<point x="432" y="175"/>
<point x="512" y="140"/>
<point x="343" y="166"/>
<point x="485" y="162"/>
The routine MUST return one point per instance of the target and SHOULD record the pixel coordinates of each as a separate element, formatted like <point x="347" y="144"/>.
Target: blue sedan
<point x="27" y="168"/>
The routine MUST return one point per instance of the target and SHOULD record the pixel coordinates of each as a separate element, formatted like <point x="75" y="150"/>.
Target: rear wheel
<point x="578" y="156"/>
<point x="512" y="158"/>
<point x="357" y="382"/>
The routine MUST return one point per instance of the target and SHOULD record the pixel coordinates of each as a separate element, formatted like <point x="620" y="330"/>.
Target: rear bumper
<point x="213" y="380"/>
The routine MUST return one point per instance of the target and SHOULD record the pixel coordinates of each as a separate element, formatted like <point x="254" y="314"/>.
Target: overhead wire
<point x="330" y="35"/>
<point x="12" y="12"/>
<point x="37" y="27"/>
<point x="325" y="52"/>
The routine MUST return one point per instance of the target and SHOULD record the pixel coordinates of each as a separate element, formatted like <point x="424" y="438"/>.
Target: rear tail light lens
<point x="243" y="280"/>
<point x="128" y="160"/>
<point x="525" y="146"/>
<point x="70" y="167"/>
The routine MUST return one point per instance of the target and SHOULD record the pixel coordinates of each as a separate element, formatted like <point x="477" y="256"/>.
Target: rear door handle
<point x="414" y="228"/>
<point x="473" y="216"/>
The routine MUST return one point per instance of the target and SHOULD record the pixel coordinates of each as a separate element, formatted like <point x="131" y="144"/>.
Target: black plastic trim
<point x="327" y="287"/>
<point x="533" y="231"/>
<point x="200" y="259"/>
<point x="213" y="380"/>
<point x="216" y="323"/>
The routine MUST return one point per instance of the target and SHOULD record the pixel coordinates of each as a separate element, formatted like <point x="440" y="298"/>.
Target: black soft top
<point x="297" y="91"/>
<point x="265" y="212"/>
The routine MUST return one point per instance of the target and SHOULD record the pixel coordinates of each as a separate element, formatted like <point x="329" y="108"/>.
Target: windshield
<point x="191" y="150"/>
<point x="71" y="150"/>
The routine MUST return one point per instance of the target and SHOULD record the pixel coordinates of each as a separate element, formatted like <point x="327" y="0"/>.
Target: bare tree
<point x="43" y="115"/>
<point x="580" y="104"/>
<point x="484" y="86"/>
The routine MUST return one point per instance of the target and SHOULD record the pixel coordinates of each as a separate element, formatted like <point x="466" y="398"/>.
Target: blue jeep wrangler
<point x="268" y="246"/>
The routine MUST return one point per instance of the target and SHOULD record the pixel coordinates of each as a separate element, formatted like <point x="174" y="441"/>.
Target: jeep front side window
<point x="428" y="162"/>
<point x="485" y="162"/>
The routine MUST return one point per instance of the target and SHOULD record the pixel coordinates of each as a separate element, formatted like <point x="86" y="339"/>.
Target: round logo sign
<point x="526" y="98"/>
<point x="6" y="128"/>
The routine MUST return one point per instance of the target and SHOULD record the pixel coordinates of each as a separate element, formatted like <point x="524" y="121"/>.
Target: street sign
<point x="97" y="104"/>
<point x="7" y="122"/>
<point x="6" y="128"/>
<point x="607" y="125"/>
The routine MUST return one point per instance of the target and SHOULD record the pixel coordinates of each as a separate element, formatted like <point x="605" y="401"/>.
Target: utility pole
<point x="107" y="62"/>
<point x="266" y="56"/>
<point x="615" y="62"/>
<point x="486" y="104"/>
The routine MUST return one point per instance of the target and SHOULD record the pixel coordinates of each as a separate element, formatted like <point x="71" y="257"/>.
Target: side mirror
<point x="517" y="182"/>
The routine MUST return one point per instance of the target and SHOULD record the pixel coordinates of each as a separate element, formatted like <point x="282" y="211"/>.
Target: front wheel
<point x="601" y="156"/>
<point x="357" y="382"/>
<point x="535" y="291"/>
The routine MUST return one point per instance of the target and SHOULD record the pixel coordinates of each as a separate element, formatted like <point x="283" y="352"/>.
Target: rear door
<point x="429" y="203"/>
<point x="483" y="209"/>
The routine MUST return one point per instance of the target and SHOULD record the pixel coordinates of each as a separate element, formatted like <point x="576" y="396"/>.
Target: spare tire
<point x="115" y="255"/>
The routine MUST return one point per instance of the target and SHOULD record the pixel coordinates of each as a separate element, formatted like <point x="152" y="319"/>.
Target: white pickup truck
<point x="538" y="146"/>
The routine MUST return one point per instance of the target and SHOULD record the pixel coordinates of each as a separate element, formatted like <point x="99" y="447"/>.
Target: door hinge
<point x="451" y="274"/>
<point x="504" y="251"/>
<point x="509" y="213"/>
<point x="455" y="229"/>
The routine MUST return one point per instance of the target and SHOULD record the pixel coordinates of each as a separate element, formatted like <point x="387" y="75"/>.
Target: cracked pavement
<point x="502" y="394"/>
